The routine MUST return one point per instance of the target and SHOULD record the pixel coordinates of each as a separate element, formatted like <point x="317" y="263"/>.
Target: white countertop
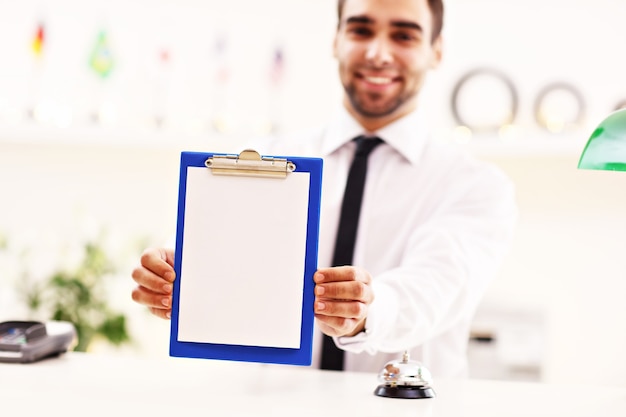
<point x="94" y="384"/>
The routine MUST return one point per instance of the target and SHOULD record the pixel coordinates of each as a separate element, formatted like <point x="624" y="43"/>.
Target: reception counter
<point x="76" y="384"/>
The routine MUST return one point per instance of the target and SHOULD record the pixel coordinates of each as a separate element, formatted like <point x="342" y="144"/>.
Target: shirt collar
<point x="406" y="135"/>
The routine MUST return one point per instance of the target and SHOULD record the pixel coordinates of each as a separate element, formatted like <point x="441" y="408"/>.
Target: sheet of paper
<point x="243" y="257"/>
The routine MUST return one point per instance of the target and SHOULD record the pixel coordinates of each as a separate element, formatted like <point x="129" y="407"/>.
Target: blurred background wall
<point x="98" y="98"/>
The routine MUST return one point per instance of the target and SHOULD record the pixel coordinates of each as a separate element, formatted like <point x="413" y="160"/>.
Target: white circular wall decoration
<point x="559" y="106"/>
<point x="484" y="100"/>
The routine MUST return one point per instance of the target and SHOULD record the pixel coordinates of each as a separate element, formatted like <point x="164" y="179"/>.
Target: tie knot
<point x="365" y="145"/>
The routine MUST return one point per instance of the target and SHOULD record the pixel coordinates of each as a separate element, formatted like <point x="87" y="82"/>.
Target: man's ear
<point x="437" y="48"/>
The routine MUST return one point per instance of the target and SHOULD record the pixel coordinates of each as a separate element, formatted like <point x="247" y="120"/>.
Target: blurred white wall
<point x="566" y="262"/>
<point x="567" y="265"/>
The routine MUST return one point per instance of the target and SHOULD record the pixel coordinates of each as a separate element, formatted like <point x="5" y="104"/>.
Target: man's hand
<point x="155" y="276"/>
<point x="342" y="297"/>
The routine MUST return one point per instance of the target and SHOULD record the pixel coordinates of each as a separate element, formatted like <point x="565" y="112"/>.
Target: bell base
<point x="404" y="391"/>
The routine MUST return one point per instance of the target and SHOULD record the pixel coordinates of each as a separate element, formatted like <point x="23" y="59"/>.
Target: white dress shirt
<point x="434" y="226"/>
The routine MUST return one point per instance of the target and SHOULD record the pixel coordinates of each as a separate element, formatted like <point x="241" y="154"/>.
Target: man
<point x="434" y="223"/>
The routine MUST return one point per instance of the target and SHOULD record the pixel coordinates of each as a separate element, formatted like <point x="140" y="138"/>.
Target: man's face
<point x="384" y="49"/>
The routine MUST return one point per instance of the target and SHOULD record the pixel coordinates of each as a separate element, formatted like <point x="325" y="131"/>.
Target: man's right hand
<point x="155" y="277"/>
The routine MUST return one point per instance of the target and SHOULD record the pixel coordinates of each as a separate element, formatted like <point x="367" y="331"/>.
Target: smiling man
<point x="407" y="268"/>
<point x="384" y="49"/>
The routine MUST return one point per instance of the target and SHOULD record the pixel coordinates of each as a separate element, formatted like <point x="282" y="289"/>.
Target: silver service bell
<point x="405" y="379"/>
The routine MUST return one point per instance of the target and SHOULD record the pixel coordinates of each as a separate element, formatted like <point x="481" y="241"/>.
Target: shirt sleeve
<point x="446" y="267"/>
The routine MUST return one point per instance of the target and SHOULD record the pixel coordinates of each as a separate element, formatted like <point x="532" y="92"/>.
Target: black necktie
<point x="332" y="356"/>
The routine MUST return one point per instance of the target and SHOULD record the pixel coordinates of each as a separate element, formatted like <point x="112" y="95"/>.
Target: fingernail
<point x="319" y="277"/>
<point x="165" y="301"/>
<point x="320" y="305"/>
<point x="168" y="315"/>
<point x="168" y="288"/>
<point x="320" y="290"/>
<point x="169" y="276"/>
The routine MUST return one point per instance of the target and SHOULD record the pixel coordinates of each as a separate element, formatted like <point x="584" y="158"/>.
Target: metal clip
<point x="250" y="163"/>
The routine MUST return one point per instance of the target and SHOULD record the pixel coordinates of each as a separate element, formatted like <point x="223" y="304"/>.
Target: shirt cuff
<point x="381" y="314"/>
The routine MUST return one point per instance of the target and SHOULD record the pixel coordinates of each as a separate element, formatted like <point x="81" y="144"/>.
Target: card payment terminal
<point x="30" y="341"/>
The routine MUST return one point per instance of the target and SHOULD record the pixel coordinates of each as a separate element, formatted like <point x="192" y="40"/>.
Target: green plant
<point x="79" y="297"/>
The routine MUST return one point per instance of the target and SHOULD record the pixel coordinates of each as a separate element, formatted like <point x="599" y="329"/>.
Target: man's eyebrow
<point x="359" y="19"/>
<point x="407" y="25"/>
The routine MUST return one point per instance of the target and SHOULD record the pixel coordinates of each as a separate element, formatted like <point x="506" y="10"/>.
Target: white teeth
<point x="378" y="80"/>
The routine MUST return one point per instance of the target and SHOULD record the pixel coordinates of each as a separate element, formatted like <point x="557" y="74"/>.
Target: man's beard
<point x="375" y="111"/>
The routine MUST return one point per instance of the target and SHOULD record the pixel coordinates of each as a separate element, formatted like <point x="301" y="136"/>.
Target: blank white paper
<point x="242" y="267"/>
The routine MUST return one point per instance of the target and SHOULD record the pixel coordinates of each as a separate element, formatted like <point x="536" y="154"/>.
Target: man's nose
<point x="379" y="52"/>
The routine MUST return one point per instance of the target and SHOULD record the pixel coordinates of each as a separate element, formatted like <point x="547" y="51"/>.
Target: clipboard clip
<point x="249" y="163"/>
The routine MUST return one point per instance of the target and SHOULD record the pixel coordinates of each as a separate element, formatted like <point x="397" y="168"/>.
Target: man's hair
<point x="436" y="9"/>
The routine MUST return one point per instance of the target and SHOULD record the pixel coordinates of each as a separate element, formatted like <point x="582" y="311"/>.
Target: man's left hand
<point x="342" y="298"/>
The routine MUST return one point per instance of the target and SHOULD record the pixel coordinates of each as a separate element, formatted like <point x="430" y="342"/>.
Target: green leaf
<point x="114" y="329"/>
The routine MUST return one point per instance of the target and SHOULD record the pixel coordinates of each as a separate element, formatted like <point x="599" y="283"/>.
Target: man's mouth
<point x="379" y="80"/>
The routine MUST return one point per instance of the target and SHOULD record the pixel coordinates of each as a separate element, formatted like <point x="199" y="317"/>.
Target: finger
<point x="341" y="273"/>
<point x="345" y="290"/>
<point x="148" y="298"/>
<point x="155" y="272"/>
<point x="168" y="255"/>
<point x="160" y="262"/>
<point x="336" y="326"/>
<point x="151" y="281"/>
<point x="341" y="309"/>
<point x="162" y="313"/>
<point x="326" y="329"/>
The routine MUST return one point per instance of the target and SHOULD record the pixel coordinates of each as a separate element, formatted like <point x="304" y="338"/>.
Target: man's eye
<point x="404" y="37"/>
<point x="361" y="31"/>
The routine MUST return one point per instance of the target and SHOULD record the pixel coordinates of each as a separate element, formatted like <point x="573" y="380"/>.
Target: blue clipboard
<point x="219" y="193"/>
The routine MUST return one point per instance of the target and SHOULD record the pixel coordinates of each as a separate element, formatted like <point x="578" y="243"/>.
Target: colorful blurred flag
<point x="164" y="56"/>
<point x="38" y="40"/>
<point x="278" y="67"/>
<point x="220" y="57"/>
<point x="101" y="60"/>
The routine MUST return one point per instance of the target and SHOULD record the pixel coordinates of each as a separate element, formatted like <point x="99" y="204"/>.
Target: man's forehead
<point x="392" y="12"/>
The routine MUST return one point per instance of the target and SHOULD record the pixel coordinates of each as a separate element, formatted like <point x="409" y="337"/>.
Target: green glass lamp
<point x="606" y="148"/>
